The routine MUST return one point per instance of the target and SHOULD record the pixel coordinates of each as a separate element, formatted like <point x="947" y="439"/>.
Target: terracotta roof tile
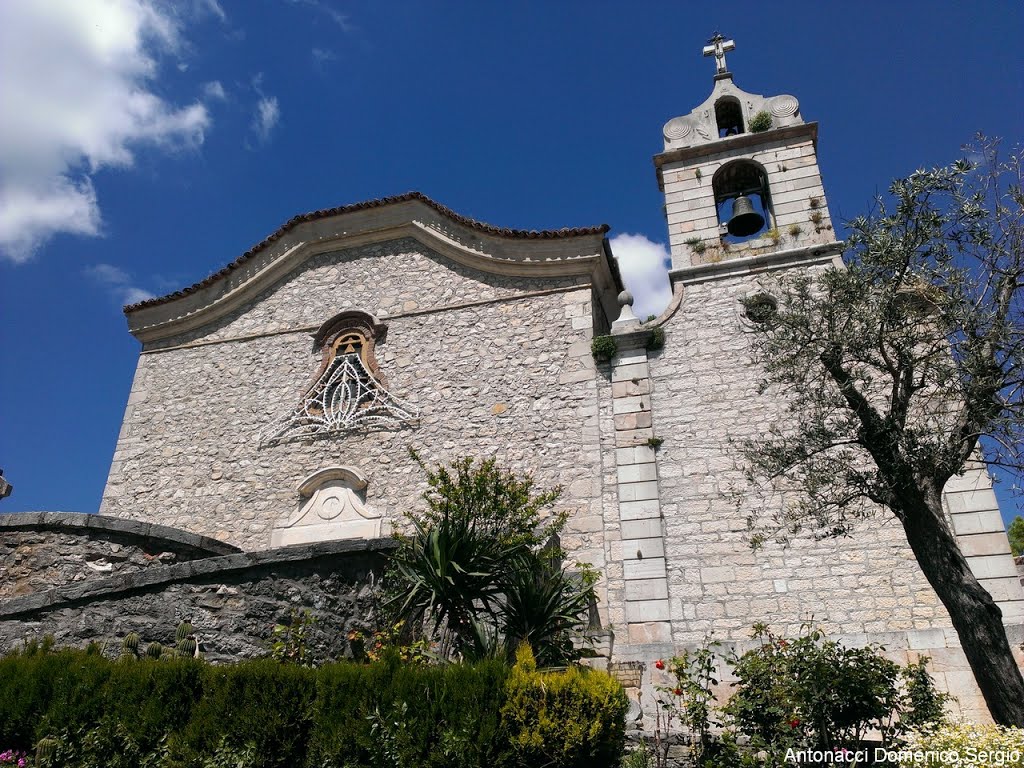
<point x="544" y="234"/>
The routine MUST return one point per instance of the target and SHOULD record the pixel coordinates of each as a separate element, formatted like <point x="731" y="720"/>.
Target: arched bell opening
<point x="742" y="201"/>
<point x="728" y="116"/>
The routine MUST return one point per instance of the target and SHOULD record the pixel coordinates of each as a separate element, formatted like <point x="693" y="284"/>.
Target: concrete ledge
<point x="155" y="578"/>
<point x="86" y="524"/>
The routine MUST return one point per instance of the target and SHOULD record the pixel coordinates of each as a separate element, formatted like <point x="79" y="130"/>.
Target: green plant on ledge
<point x="760" y="122"/>
<point x="795" y="230"/>
<point x="657" y="338"/>
<point x="603" y="348"/>
<point x="696" y="244"/>
<point x="774" y="235"/>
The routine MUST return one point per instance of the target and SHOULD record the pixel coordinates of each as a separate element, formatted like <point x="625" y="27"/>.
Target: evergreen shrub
<point x="571" y="718"/>
<point x="91" y="711"/>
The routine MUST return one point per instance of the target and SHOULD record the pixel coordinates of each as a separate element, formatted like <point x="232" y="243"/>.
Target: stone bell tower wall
<point x="789" y="159"/>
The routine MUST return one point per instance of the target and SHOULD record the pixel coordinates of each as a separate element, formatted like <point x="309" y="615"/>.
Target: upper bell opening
<point x="728" y="116"/>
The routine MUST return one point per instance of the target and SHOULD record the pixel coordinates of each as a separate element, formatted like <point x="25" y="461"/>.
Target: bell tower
<point x="741" y="181"/>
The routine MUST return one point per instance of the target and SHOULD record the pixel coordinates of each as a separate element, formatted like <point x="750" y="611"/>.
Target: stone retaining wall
<point x="40" y="550"/>
<point x="232" y="600"/>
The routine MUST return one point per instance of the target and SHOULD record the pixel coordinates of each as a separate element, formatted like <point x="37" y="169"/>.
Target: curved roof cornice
<point x="558" y="253"/>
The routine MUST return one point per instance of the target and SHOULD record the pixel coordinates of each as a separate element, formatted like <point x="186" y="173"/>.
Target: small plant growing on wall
<point x="697" y="245"/>
<point x="814" y="203"/>
<point x="657" y="339"/>
<point x="603" y="348"/>
<point x="760" y="122"/>
<point x="698" y="175"/>
<point x="774" y="235"/>
<point x="816" y="219"/>
<point x="655" y="442"/>
<point x="795" y="230"/>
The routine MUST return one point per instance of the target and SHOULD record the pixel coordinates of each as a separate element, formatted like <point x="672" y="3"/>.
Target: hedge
<point x="92" y="711"/>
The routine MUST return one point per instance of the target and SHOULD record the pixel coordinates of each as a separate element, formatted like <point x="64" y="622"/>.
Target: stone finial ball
<point x="625" y="299"/>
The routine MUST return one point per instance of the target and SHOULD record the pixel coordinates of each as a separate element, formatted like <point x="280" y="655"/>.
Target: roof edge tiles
<point x="520" y="234"/>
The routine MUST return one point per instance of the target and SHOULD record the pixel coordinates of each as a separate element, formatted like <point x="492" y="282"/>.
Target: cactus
<point x="188" y="648"/>
<point x="154" y="650"/>
<point x="184" y="630"/>
<point x="130" y="645"/>
<point x="45" y="749"/>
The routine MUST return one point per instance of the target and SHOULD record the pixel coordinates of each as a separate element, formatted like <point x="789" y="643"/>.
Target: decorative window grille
<point x="345" y="394"/>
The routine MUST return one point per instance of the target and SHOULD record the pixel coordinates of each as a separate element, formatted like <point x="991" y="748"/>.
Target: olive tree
<point x="901" y="369"/>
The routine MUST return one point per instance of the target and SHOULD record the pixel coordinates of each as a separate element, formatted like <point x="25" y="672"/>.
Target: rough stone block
<point x="629" y="405"/>
<point x="642" y="529"/>
<point x="632" y="421"/>
<point x="627" y="372"/>
<point x="642" y="549"/>
<point x="923" y="639"/>
<point x="638" y="491"/>
<point x="977" y="522"/>
<point x="647" y="589"/>
<point x="647" y="610"/>
<point x="650" y="633"/>
<point x="637" y="473"/>
<point x="640" y="510"/>
<point x="653" y="568"/>
<point x="984" y="544"/>
<point x="992" y="566"/>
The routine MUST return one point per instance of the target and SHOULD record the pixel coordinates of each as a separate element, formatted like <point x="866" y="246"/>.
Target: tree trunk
<point x="975" y="615"/>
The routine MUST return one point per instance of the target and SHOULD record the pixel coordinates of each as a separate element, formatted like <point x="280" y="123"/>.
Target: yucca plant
<point x="473" y="571"/>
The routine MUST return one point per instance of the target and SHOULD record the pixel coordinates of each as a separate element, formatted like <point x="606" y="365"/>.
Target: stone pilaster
<point x="642" y="544"/>
<point x="979" y="529"/>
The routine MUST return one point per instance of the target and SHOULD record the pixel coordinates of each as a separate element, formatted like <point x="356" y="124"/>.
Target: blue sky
<point x="143" y="146"/>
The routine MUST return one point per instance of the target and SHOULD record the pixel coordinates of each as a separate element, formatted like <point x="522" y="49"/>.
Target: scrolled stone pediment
<point x="331" y="507"/>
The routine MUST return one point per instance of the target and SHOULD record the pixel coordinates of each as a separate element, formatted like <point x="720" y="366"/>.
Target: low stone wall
<point x="232" y="600"/>
<point x="41" y="550"/>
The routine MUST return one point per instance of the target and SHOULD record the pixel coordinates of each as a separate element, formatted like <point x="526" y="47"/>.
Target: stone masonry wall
<point x="233" y="601"/>
<point x="511" y="377"/>
<point x="40" y="550"/>
<point x="867" y="587"/>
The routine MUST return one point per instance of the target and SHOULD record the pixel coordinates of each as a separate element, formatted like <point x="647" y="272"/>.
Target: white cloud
<point x="644" y="267"/>
<point x="76" y="98"/>
<point x="214" y="90"/>
<point x="118" y="282"/>
<point x="213" y="7"/>
<point x="268" y="113"/>
<point x="335" y="15"/>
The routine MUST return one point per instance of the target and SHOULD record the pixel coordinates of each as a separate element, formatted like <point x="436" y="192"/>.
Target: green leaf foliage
<point x="572" y="718"/>
<point x="480" y="570"/>
<point x="89" y="712"/>
<point x="1015" y="532"/>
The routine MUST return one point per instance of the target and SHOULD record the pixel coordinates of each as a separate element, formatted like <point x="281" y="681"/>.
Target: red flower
<point x="678" y="691"/>
<point x="794" y="723"/>
<point x="659" y="664"/>
<point x="783" y="643"/>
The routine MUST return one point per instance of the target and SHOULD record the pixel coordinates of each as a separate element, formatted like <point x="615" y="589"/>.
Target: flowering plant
<point x="13" y="758"/>
<point x="964" y="745"/>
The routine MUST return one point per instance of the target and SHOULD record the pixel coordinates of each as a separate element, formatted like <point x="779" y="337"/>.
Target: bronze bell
<point x="745" y="220"/>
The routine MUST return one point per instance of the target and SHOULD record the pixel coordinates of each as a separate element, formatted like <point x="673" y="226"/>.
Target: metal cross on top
<point x="717" y="46"/>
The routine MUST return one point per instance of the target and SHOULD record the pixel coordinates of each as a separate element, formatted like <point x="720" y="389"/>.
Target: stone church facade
<point x="274" y="403"/>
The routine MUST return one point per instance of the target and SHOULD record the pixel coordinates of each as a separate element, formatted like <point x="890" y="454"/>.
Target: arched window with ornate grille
<point x="347" y="392"/>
